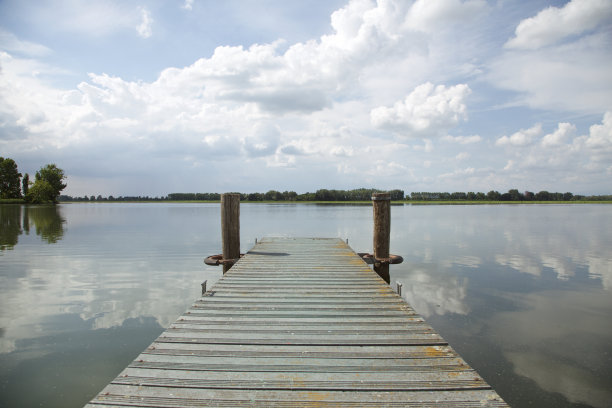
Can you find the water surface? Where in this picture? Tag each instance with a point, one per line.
(523, 293)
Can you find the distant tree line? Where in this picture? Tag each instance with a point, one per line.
(511, 195)
(361, 194)
(194, 196)
(46, 187)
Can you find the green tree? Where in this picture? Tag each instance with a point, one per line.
(9, 179)
(54, 176)
(515, 195)
(25, 184)
(397, 194)
(273, 195)
(41, 192)
(493, 195)
(323, 195)
(255, 197)
(289, 195)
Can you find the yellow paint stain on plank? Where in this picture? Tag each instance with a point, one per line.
(433, 351)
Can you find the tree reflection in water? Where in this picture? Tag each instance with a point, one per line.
(15, 220)
(10, 226)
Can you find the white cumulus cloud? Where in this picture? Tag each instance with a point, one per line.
(560, 136)
(427, 111)
(559, 59)
(554, 24)
(523, 137)
(600, 136)
(561, 155)
(427, 15)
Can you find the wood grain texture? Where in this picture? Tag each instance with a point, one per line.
(230, 227)
(381, 204)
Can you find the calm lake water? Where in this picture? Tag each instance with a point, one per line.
(522, 292)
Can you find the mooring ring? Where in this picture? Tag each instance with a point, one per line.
(370, 259)
(216, 260)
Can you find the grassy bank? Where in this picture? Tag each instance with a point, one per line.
(12, 201)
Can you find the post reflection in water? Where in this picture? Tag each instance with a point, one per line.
(522, 292)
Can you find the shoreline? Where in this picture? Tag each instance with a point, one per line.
(403, 202)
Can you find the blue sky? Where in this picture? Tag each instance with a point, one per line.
(153, 97)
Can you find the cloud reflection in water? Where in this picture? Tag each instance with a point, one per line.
(564, 349)
(429, 295)
(530, 283)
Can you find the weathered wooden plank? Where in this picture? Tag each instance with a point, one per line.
(298, 323)
(433, 341)
(288, 307)
(235, 300)
(398, 322)
(126, 395)
(297, 328)
(299, 314)
(304, 287)
(304, 352)
(301, 368)
(277, 294)
(389, 364)
(328, 331)
(296, 333)
(339, 381)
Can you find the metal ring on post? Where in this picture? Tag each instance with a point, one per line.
(392, 259)
(216, 260)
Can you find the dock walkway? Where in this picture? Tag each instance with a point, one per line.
(299, 322)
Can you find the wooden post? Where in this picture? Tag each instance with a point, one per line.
(230, 227)
(382, 232)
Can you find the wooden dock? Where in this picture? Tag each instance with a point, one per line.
(299, 323)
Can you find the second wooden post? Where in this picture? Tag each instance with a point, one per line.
(230, 227)
(381, 203)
